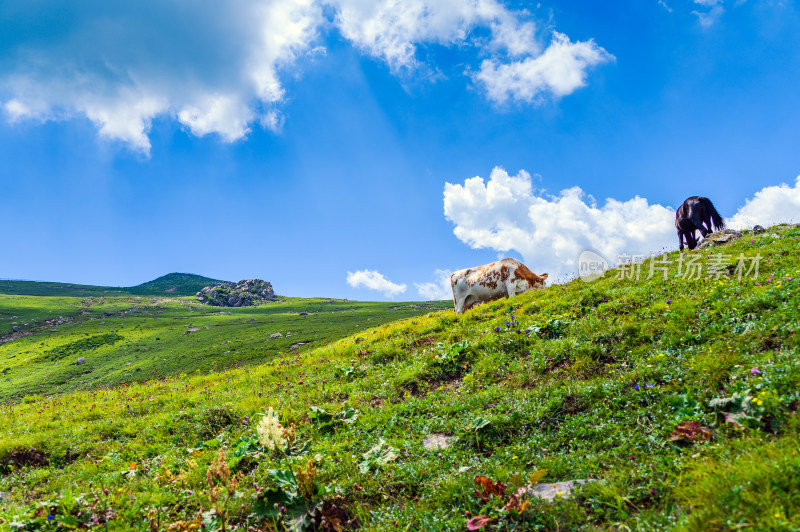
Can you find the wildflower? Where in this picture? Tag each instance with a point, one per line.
(669, 301)
(270, 432)
(636, 387)
(755, 371)
(650, 385)
(497, 329)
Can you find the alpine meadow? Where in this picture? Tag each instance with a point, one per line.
(676, 400)
(400, 266)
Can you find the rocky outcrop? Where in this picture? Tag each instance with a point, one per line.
(242, 294)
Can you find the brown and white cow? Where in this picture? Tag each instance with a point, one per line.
(504, 278)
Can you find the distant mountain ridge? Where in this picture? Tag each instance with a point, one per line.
(172, 284)
(177, 284)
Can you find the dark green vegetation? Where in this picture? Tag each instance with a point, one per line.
(596, 389)
(172, 284)
(126, 339)
(176, 284)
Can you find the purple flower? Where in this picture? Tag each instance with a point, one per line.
(669, 301)
(508, 324)
(527, 331)
(497, 329)
(518, 331)
(752, 241)
(51, 517)
(636, 387)
(512, 316)
(755, 371)
(651, 385)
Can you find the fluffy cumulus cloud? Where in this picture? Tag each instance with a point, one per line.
(550, 231)
(375, 281)
(521, 65)
(214, 68)
(558, 71)
(769, 206)
(217, 67)
(437, 289)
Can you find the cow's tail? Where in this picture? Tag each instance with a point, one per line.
(719, 223)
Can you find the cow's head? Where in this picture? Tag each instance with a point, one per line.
(539, 282)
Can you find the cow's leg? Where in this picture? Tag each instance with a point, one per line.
(680, 240)
(511, 289)
(698, 222)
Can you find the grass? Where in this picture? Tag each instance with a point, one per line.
(170, 285)
(130, 339)
(595, 390)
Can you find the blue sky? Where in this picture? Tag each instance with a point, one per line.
(298, 141)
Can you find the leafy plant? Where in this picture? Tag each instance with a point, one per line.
(379, 455)
(684, 407)
(327, 422)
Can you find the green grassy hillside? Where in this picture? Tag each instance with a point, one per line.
(41, 288)
(127, 339)
(174, 284)
(170, 285)
(677, 395)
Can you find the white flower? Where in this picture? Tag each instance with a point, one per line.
(271, 432)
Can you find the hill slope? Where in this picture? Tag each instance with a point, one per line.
(677, 395)
(131, 338)
(174, 284)
(171, 285)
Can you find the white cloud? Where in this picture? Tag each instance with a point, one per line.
(769, 206)
(550, 231)
(559, 71)
(217, 67)
(520, 66)
(373, 280)
(437, 290)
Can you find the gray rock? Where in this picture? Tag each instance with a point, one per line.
(5, 496)
(720, 237)
(242, 294)
(276, 335)
(81, 360)
(433, 442)
(555, 490)
(192, 330)
(758, 229)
